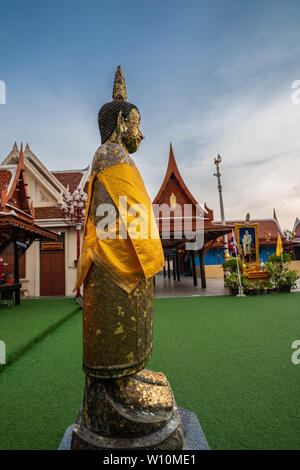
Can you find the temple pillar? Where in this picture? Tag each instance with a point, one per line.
(177, 267)
(202, 269)
(16, 269)
(194, 268)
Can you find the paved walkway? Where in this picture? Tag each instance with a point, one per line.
(184, 288)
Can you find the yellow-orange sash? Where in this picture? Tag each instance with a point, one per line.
(126, 259)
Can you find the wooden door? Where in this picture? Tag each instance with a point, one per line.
(52, 273)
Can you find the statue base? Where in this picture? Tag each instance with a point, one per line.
(134, 412)
(195, 438)
(170, 437)
(137, 412)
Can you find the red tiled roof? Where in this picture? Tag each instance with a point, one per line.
(53, 212)
(5, 177)
(297, 229)
(69, 178)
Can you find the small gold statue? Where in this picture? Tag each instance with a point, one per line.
(247, 220)
(124, 406)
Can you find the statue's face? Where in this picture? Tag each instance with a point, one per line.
(132, 135)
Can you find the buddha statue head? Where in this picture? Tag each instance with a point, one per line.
(119, 121)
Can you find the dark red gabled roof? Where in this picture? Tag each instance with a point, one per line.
(69, 179)
(172, 179)
(174, 188)
(173, 183)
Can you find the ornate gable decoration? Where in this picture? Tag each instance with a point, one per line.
(174, 191)
(14, 194)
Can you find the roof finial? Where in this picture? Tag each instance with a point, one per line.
(119, 90)
(15, 147)
(21, 157)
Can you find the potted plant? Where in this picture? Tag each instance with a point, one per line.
(267, 286)
(256, 288)
(281, 278)
(232, 283)
(231, 265)
(247, 285)
(287, 281)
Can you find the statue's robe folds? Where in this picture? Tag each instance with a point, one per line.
(118, 272)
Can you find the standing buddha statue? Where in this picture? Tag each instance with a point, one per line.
(125, 405)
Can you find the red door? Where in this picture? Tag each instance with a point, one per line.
(52, 273)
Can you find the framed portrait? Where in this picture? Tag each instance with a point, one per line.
(247, 240)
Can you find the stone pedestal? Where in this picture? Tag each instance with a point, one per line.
(194, 435)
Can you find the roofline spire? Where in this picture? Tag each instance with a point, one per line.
(173, 169)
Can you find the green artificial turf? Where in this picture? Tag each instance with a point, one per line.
(22, 325)
(227, 359)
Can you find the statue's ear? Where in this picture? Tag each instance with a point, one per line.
(120, 127)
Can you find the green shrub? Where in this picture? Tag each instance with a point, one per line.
(287, 279)
(281, 277)
(232, 281)
(247, 285)
(231, 265)
(277, 259)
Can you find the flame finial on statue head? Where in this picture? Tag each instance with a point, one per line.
(119, 90)
(108, 114)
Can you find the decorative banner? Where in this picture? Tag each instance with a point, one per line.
(52, 246)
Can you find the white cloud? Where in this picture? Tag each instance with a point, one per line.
(260, 147)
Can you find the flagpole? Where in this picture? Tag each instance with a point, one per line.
(241, 290)
(218, 175)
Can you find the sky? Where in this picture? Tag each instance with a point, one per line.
(210, 76)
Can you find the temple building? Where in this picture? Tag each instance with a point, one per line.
(268, 231)
(47, 268)
(295, 237)
(208, 261)
(176, 197)
(19, 230)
